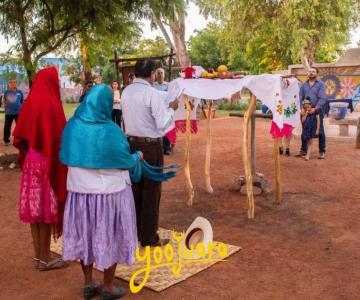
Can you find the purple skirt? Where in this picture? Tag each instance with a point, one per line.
(100, 228)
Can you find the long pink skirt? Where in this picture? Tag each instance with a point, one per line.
(38, 202)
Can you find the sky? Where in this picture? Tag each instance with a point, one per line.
(194, 21)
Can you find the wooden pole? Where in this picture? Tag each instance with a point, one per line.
(189, 184)
(253, 146)
(247, 163)
(208, 187)
(277, 173)
(358, 135)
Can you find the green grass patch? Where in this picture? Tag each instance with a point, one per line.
(69, 109)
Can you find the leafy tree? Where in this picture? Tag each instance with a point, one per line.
(274, 33)
(151, 47)
(205, 48)
(43, 26)
(171, 13)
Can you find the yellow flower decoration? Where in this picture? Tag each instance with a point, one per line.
(280, 108)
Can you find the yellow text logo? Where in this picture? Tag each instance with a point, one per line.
(165, 257)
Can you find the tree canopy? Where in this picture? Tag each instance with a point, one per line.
(43, 26)
(268, 35)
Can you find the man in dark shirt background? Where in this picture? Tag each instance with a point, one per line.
(315, 90)
(13, 99)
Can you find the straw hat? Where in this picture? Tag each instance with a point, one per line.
(200, 231)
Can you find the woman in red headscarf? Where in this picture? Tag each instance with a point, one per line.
(37, 135)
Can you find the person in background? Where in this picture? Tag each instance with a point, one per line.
(88, 85)
(315, 90)
(161, 85)
(37, 136)
(147, 117)
(13, 99)
(130, 80)
(311, 125)
(97, 79)
(116, 112)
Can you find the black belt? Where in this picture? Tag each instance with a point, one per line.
(144, 139)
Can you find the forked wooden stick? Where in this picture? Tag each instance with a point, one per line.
(247, 162)
(189, 184)
(208, 186)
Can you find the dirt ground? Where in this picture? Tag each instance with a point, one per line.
(305, 248)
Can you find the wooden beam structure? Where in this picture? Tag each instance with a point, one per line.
(189, 185)
(247, 163)
(208, 186)
(129, 68)
(278, 192)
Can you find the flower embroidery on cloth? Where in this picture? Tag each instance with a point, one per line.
(279, 107)
(290, 110)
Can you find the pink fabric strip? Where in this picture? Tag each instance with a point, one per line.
(171, 135)
(277, 133)
(181, 126)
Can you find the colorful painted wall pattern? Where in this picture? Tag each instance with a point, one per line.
(339, 86)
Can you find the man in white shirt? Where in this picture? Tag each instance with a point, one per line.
(147, 116)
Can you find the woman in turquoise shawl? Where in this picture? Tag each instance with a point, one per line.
(100, 217)
(92, 140)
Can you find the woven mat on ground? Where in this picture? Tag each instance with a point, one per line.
(161, 278)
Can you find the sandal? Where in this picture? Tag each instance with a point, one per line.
(115, 294)
(91, 291)
(56, 263)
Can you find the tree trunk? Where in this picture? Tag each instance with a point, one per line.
(29, 67)
(308, 55)
(85, 58)
(165, 33)
(177, 27)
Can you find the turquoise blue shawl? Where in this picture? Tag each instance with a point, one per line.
(92, 140)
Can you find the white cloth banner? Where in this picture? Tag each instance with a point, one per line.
(280, 95)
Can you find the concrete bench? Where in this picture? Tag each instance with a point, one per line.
(344, 125)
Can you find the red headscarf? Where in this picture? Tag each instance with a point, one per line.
(40, 125)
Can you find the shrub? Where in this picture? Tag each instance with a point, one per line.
(239, 106)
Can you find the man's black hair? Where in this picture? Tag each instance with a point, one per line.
(144, 67)
(315, 68)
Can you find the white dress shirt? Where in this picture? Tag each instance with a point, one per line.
(145, 110)
(97, 181)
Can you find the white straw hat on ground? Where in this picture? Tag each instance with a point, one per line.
(200, 231)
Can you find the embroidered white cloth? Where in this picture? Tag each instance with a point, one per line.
(275, 92)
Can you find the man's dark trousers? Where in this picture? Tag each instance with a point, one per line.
(7, 126)
(147, 193)
(322, 138)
